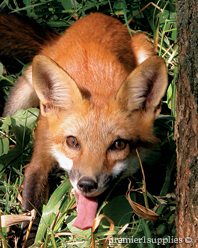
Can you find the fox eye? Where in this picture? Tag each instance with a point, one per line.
(72, 142)
(118, 144)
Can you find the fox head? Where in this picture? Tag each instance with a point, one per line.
(95, 141)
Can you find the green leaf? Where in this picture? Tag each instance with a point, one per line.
(24, 120)
(4, 146)
(21, 125)
(118, 7)
(1, 68)
(163, 16)
(51, 209)
(118, 210)
(73, 229)
(67, 5)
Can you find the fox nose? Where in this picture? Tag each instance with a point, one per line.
(87, 185)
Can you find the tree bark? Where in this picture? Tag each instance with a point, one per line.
(186, 129)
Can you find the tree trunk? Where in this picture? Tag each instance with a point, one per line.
(186, 129)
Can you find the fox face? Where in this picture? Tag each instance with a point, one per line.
(95, 141)
(93, 146)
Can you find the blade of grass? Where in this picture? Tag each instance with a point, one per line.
(147, 233)
(51, 208)
(125, 17)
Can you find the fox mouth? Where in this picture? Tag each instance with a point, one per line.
(87, 206)
(86, 211)
(87, 192)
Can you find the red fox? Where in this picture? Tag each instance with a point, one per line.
(99, 92)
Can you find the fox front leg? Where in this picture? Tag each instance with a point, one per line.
(34, 194)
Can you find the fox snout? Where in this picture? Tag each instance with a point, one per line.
(90, 186)
(87, 185)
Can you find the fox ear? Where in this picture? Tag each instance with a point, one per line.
(144, 87)
(54, 87)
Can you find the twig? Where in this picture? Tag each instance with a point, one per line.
(144, 9)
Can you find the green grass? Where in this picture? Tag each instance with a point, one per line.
(16, 140)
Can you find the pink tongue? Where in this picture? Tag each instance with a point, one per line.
(86, 208)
